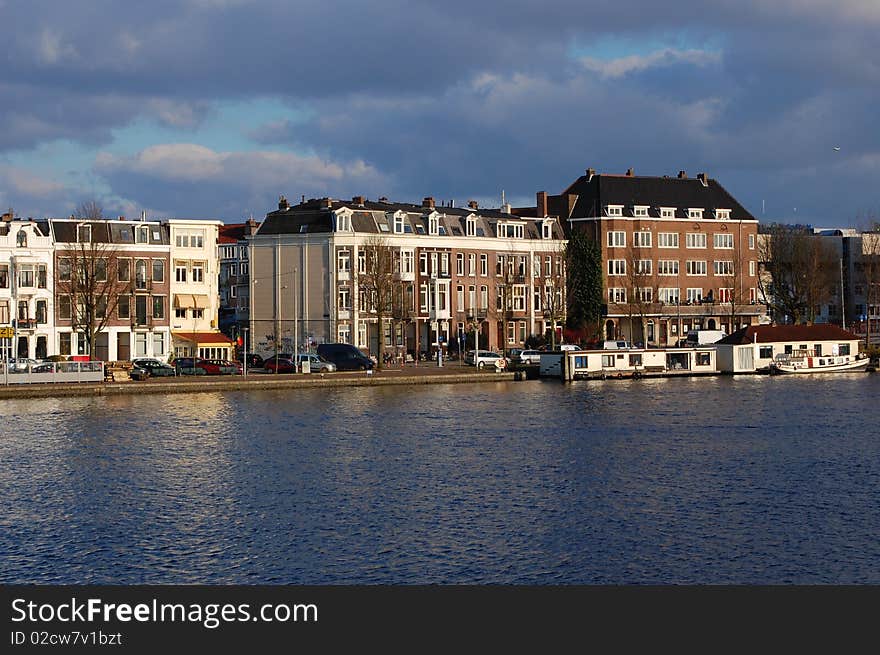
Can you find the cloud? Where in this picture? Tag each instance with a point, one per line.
(30, 194)
(188, 179)
(638, 63)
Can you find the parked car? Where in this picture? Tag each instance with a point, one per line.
(483, 358)
(279, 364)
(569, 346)
(345, 356)
(217, 367)
(188, 366)
(154, 367)
(253, 360)
(317, 364)
(238, 366)
(21, 364)
(530, 357)
(513, 354)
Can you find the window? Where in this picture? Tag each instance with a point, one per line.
(344, 298)
(42, 313)
(643, 267)
(695, 240)
(511, 332)
(537, 300)
(521, 265)
(470, 226)
(344, 333)
(765, 352)
(158, 270)
(123, 270)
(142, 234)
(123, 307)
(26, 275)
(459, 297)
(644, 294)
(617, 239)
(472, 297)
(616, 267)
(84, 233)
(667, 267)
(695, 213)
(64, 343)
(4, 274)
(398, 223)
(198, 313)
(344, 261)
(140, 274)
(159, 307)
(725, 295)
(64, 308)
(722, 240)
(667, 212)
(522, 332)
(198, 272)
(843, 349)
(101, 307)
(668, 295)
(751, 242)
(484, 297)
(180, 312)
(362, 262)
(101, 270)
(640, 211)
(667, 240)
(694, 295)
(459, 264)
(642, 239)
(511, 230)
(41, 276)
(722, 214)
(179, 271)
(616, 295)
(723, 268)
(694, 267)
(23, 310)
(423, 263)
(343, 223)
(546, 230)
(433, 223)
(158, 344)
(753, 295)
(472, 264)
(444, 263)
(21, 239)
(519, 298)
(499, 264)
(614, 210)
(4, 312)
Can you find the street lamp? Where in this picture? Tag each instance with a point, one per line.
(245, 331)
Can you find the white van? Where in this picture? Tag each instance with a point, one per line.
(569, 346)
(615, 345)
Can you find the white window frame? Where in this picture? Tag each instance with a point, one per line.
(667, 212)
(614, 210)
(723, 268)
(667, 240)
(695, 240)
(722, 241)
(694, 294)
(640, 211)
(667, 267)
(616, 295)
(616, 239)
(695, 267)
(695, 212)
(616, 267)
(642, 239)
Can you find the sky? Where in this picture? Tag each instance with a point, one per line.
(215, 108)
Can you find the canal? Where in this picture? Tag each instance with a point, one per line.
(752, 480)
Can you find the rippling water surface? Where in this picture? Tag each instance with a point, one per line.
(703, 480)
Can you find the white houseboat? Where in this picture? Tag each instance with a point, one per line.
(628, 363)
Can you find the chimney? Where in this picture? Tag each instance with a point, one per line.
(283, 205)
(541, 204)
(359, 200)
(506, 208)
(682, 175)
(590, 173)
(630, 172)
(473, 204)
(703, 179)
(327, 203)
(7, 217)
(428, 202)
(303, 201)
(251, 226)
(122, 218)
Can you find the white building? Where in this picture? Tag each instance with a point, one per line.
(26, 289)
(195, 290)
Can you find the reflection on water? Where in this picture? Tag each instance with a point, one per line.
(702, 480)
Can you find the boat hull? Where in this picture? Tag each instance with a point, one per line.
(802, 368)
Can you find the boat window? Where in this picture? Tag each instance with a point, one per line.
(843, 349)
(635, 360)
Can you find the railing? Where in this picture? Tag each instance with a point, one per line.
(51, 372)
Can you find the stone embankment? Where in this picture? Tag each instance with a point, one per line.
(258, 381)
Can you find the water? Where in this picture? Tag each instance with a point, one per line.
(701, 480)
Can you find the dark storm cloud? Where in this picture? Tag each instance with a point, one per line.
(462, 98)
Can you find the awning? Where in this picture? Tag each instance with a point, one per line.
(204, 338)
(183, 301)
(200, 301)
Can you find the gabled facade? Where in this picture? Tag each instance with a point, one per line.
(677, 253)
(26, 284)
(464, 276)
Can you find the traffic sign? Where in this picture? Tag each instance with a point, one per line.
(7, 333)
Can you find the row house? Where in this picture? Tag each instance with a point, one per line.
(113, 275)
(678, 253)
(194, 292)
(26, 302)
(234, 276)
(463, 275)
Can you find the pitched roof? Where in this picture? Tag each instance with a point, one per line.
(596, 192)
(782, 333)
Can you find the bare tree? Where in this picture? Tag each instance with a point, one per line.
(640, 289)
(731, 278)
(510, 289)
(870, 270)
(377, 286)
(91, 278)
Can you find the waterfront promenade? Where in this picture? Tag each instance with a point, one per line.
(410, 375)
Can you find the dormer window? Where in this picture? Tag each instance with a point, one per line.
(694, 212)
(21, 239)
(614, 210)
(142, 234)
(722, 214)
(399, 220)
(640, 211)
(667, 212)
(470, 226)
(547, 230)
(83, 233)
(343, 223)
(433, 224)
(510, 230)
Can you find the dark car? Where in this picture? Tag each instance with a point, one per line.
(253, 360)
(188, 366)
(154, 367)
(279, 364)
(345, 356)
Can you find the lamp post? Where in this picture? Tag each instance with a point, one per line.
(245, 332)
